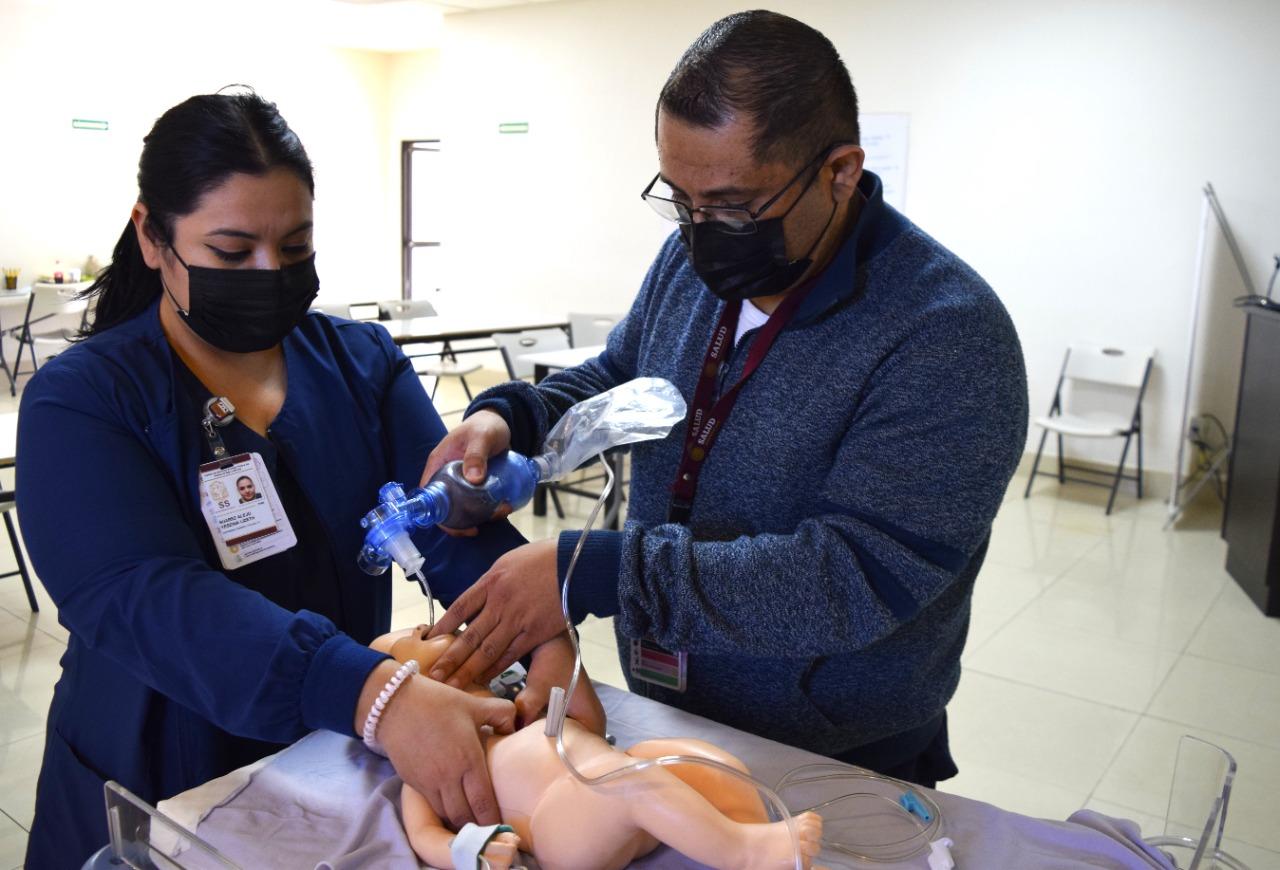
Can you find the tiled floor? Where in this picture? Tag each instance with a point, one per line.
(1096, 643)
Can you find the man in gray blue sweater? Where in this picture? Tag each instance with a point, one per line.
(799, 557)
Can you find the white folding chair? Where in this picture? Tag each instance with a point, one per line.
(56, 313)
(1125, 368)
(7, 505)
(515, 344)
(406, 309)
(351, 310)
(444, 356)
(588, 330)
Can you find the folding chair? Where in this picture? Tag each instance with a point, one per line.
(61, 313)
(1129, 369)
(515, 344)
(587, 330)
(6, 506)
(351, 310)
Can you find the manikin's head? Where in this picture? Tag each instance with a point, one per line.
(413, 643)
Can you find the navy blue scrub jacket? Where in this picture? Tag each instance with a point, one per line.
(174, 672)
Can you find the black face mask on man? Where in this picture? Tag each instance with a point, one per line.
(737, 266)
(247, 310)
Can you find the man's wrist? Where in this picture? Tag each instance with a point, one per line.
(506, 401)
(593, 588)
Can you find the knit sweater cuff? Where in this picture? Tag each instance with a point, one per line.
(508, 406)
(593, 588)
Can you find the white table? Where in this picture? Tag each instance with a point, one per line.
(471, 324)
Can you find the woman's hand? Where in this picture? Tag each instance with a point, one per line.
(431, 733)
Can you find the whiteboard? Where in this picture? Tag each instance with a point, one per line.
(884, 138)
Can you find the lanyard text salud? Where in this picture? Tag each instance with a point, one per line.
(708, 413)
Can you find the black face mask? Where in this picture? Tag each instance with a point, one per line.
(736, 266)
(247, 310)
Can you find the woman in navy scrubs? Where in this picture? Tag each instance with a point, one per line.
(195, 649)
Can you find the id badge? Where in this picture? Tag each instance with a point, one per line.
(652, 663)
(243, 511)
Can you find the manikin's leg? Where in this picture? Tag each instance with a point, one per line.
(578, 827)
(431, 839)
(734, 797)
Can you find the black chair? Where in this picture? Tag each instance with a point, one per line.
(7, 505)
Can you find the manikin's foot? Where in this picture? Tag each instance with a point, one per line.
(775, 849)
(501, 851)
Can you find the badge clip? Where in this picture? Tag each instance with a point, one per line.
(218, 412)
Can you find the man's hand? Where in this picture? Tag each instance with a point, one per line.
(552, 665)
(510, 610)
(474, 440)
(431, 734)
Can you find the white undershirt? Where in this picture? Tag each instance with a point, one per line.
(750, 318)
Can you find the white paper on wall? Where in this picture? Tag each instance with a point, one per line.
(884, 138)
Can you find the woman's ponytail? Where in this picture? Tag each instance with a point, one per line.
(124, 288)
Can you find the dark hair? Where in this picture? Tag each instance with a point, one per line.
(191, 149)
(783, 75)
(244, 477)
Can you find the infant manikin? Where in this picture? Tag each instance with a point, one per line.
(701, 812)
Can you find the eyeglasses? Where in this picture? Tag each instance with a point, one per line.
(737, 220)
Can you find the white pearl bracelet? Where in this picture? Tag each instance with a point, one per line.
(404, 672)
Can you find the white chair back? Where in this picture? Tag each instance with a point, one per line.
(351, 310)
(57, 299)
(587, 330)
(513, 344)
(406, 309)
(1121, 366)
(56, 316)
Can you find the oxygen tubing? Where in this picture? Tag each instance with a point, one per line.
(557, 710)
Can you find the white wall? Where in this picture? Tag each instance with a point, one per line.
(1059, 147)
(67, 193)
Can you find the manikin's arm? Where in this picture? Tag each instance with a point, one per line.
(432, 841)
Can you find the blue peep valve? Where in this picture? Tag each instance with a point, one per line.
(448, 500)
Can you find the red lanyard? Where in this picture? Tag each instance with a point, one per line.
(707, 414)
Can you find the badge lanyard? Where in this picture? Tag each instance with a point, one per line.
(650, 662)
(218, 412)
(707, 414)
